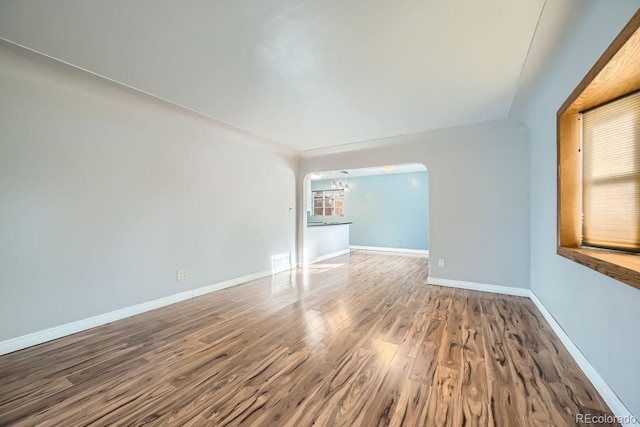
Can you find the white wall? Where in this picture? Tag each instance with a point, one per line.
(601, 315)
(479, 196)
(105, 192)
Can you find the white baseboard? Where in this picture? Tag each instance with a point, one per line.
(482, 287)
(400, 250)
(613, 401)
(56, 332)
(328, 256)
(615, 404)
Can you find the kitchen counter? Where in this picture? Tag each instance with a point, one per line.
(321, 224)
(324, 240)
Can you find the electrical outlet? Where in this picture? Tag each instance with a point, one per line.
(181, 274)
(441, 263)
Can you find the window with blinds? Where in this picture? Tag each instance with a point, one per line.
(611, 175)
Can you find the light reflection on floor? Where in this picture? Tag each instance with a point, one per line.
(321, 268)
(318, 324)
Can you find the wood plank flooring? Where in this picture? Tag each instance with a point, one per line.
(358, 340)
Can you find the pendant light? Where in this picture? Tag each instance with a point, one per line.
(343, 185)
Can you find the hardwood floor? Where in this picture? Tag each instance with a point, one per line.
(357, 340)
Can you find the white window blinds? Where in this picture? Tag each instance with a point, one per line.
(611, 175)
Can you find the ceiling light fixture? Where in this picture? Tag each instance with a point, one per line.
(334, 184)
(316, 175)
(344, 186)
(388, 168)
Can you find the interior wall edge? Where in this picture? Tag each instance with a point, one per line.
(481, 287)
(18, 343)
(59, 66)
(384, 249)
(613, 401)
(616, 405)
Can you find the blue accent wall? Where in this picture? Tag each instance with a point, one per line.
(390, 211)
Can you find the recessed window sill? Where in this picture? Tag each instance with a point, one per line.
(621, 266)
(613, 76)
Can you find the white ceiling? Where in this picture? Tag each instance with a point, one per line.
(308, 74)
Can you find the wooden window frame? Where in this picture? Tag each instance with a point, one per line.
(615, 74)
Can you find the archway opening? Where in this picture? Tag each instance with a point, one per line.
(382, 208)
